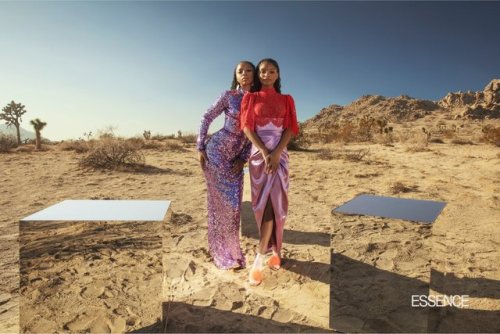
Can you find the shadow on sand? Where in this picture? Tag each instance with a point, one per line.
(185, 318)
(364, 298)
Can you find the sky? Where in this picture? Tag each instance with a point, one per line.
(85, 66)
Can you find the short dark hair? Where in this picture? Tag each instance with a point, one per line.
(234, 84)
(277, 83)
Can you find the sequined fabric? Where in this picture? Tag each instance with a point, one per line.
(224, 188)
(269, 113)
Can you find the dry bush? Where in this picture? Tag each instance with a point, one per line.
(384, 138)
(7, 143)
(140, 143)
(350, 155)
(417, 147)
(325, 137)
(27, 149)
(162, 137)
(299, 143)
(361, 130)
(325, 154)
(136, 142)
(460, 141)
(491, 135)
(347, 132)
(364, 131)
(152, 145)
(417, 141)
(173, 145)
(405, 135)
(356, 155)
(448, 133)
(190, 138)
(79, 146)
(113, 153)
(436, 141)
(399, 187)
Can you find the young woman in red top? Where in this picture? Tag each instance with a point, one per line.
(269, 120)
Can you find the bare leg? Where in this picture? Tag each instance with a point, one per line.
(266, 233)
(267, 227)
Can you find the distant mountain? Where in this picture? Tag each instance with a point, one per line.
(470, 105)
(475, 105)
(25, 134)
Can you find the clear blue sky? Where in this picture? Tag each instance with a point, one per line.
(82, 66)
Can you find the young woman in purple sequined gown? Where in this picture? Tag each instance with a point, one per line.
(222, 158)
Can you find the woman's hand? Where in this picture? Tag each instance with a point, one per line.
(238, 166)
(203, 159)
(273, 162)
(265, 156)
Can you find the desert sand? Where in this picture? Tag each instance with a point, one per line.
(340, 273)
(327, 280)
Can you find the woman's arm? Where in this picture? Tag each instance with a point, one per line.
(275, 155)
(215, 110)
(256, 141)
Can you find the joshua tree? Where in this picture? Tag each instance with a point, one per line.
(38, 125)
(12, 116)
(427, 135)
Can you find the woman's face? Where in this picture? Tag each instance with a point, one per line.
(244, 74)
(268, 74)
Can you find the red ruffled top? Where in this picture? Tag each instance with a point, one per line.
(268, 106)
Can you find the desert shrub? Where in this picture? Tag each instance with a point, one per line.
(140, 143)
(491, 135)
(299, 143)
(152, 145)
(7, 143)
(162, 137)
(325, 154)
(448, 133)
(460, 141)
(386, 136)
(350, 155)
(436, 141)
(173, 145)
(356, 155)
(347, 132)
(79, 146)
(26, 149)
(428, 135)
(399, 187)
(113, 153)
(136, 142)
(188, 138)
(364, 132)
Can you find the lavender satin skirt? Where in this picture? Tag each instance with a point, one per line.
(270, 186)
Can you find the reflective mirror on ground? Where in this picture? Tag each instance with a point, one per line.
(423, 211)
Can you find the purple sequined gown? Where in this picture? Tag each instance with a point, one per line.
(224, 188)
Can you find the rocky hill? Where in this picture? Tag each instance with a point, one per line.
(469, 105)
(475, 105)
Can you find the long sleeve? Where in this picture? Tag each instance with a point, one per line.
(245, 152)
(215, 110)
(291, 116)
(247, 114)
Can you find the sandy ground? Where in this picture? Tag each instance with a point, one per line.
(349, 273)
